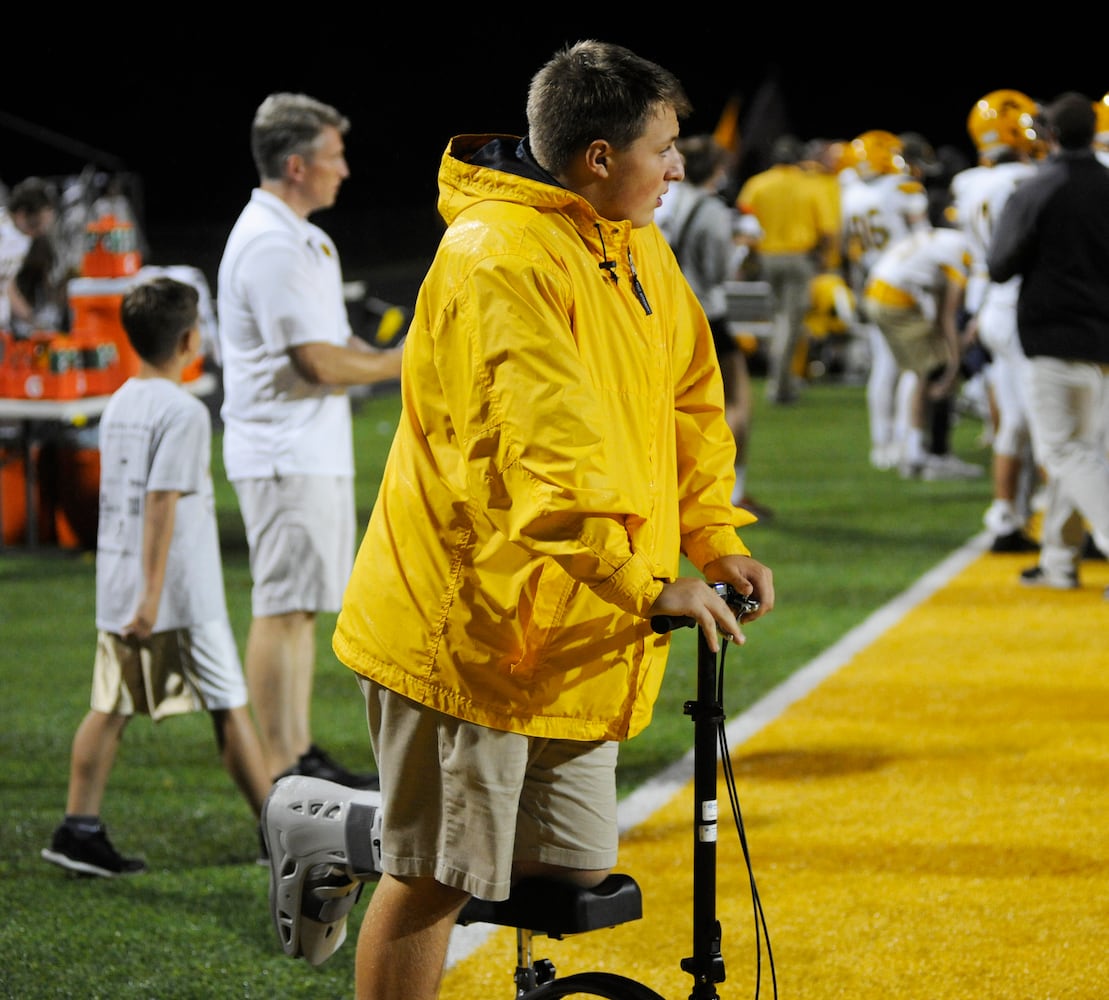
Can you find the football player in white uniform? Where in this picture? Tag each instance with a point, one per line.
(1002, 125)
(880, 202)
(915, 295)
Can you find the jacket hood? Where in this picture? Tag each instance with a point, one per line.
(500, 168)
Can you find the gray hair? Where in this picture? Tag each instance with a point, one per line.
(287, 124)
(596, 90)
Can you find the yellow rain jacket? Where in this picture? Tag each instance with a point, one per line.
(561, 442)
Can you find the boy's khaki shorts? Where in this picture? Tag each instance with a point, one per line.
(171, 673)
(462, 802)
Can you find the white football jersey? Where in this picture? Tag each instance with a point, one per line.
(978, 196)
(920, 263)
(876, 213)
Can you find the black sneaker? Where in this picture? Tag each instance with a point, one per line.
(1090, 551)
(1015, 541)
(1037, 576)
(317, 763)
(90, 855)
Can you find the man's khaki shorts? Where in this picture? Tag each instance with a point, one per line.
(462, 802)
(301, 534)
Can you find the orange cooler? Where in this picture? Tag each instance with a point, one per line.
(94, 305)
(27, 367)
(111, 249)
(67, 368)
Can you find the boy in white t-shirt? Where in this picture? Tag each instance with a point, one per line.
(164, 639)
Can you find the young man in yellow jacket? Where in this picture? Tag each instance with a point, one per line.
(562, 444)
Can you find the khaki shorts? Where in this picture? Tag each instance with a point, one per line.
(300, 531)
(917, 344)
(462, 802)
(171, 673)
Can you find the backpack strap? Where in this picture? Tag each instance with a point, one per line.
(683, 233)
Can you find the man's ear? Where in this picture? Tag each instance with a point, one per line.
(294, 166)
(598, 157)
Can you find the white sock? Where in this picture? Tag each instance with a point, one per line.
(914, 445)
(1001, 517)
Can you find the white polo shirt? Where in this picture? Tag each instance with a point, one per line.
(280, 284)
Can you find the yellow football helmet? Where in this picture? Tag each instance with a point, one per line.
(878, 152)
(1004, 120)
(842, 156)
(1101, 129)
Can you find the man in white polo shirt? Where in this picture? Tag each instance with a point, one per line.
(289, 356)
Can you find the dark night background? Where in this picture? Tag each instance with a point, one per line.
(168, 98)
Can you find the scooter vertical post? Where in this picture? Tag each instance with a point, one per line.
(706, 965)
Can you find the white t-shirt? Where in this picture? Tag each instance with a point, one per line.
(280, 284)
(155, 435)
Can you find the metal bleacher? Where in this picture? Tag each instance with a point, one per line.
(750, 307)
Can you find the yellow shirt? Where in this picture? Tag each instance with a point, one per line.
(827, 184)
(793, 209)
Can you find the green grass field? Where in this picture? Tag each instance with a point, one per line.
(844, 540)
